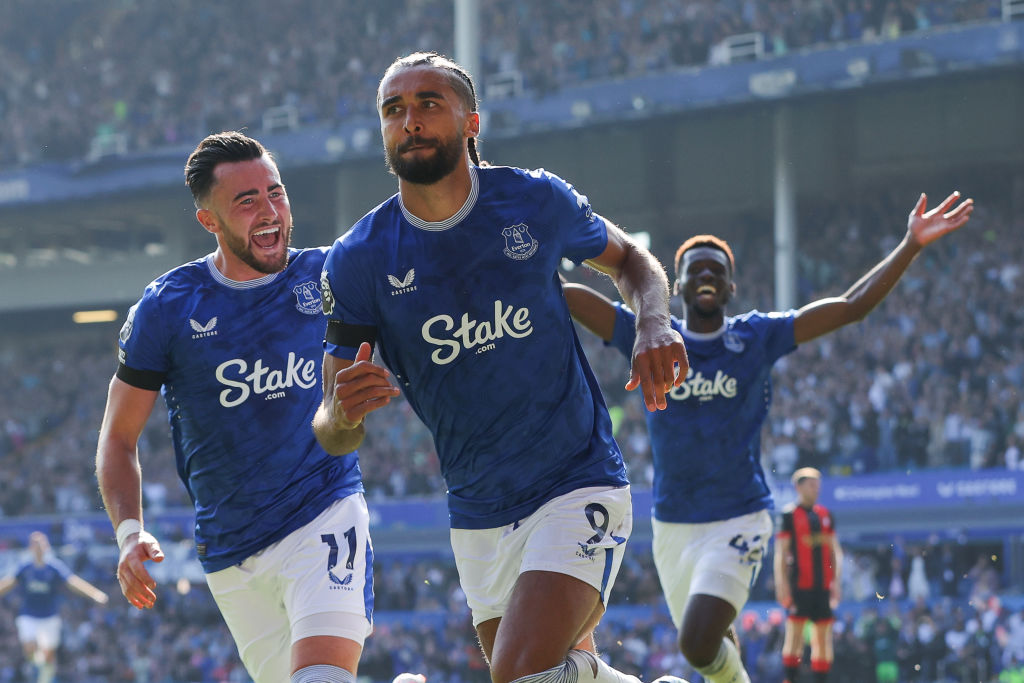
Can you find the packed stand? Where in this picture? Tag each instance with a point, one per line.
(94, 78)
(958, 631)
(931, 379)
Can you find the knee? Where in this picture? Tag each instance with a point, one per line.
(699, 645)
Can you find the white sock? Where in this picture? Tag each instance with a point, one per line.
(322, 673)
(579, 666)
(47, 670)
(727, 667)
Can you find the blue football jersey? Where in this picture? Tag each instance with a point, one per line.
(469, 316)
(707, 444)
(239, 364)
(41, 587)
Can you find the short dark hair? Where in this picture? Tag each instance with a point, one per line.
(458, 77)
(705, 241)
(214, 150)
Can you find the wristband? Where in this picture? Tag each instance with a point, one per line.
(126, 528)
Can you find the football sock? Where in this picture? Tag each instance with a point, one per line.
(791, 663)
(727, 667)
(579, 666)
(47, 670)
(322, 673)
(820, 667)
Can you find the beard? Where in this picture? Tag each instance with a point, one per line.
(426, 171)
(243, 250)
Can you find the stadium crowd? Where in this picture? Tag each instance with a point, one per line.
(952, 631)
(930, 380)
(70, 82)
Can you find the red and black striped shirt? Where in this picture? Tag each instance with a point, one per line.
(812, 530)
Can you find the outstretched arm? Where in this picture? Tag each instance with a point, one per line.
(352, 389)
(659, 357)
(86, 589)
(6, 584)
(591, 309)
(825, 315)
(120, 478)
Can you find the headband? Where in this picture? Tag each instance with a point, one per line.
(703, 254)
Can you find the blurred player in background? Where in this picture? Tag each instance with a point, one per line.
(39, 582)
(808, 563)
(455, 278)
(233, 341)
(711, 525)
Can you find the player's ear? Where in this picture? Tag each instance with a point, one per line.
(208, 220)
(472, 127)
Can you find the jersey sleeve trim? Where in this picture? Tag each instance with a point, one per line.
(150, 380)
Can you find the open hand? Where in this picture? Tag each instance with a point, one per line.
(136, 583)
(659, 363)
(925, 228)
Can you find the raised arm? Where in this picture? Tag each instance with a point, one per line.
(352, 389)
(120, 479)
(659, 357)
(826, 315)
(591, 309)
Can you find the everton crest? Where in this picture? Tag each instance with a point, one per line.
(308, 298)
(519, 244)
(734, 342)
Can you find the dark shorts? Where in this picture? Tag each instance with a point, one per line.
(811, 605)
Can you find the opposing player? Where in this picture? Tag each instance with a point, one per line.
(39, 582)
(808, 564)
(455, 279)
(711, 525)
(232, 341)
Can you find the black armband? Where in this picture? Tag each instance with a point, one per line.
(346, 334)
(151, 380)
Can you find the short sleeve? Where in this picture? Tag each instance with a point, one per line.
(142, 345)
(62, 569)
(624, 332)
(348, 302)
(584, 232)
(785, 526)
(776, 330)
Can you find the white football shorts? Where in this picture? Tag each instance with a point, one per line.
(582, 533)
(43, 631)
(714, 558)
(316, 581)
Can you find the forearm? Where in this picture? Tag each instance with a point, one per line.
(85, 589)
(780, 563)
(335, 438)
(837, 563)
(644, 286)
(875, 285)
(120, 480)
(779, 570)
